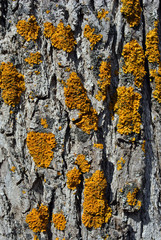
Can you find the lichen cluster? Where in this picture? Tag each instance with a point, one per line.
(28, 29)
(44, 123)
(34, 58)
(98, 145)
(12, 83)
(157, 77)
(120, 163)
(152, 42)
(73, 178)
(59, 221)
(61, 37)
(134, 61)
(76, 98)
(82, 163)
(131, 9)
(131, 199)
(102, 14)
(95, 208)
(37, 219)
(104, 81)
(40, 146)
(127, 106)
(91, 36)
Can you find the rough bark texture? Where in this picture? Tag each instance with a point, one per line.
(28, 186)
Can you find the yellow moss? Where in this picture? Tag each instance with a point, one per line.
(34, 58)
(61, 37)
(127, 106)
(152, 42)
(37, 219)
(143, 146)
(93, 38)
(12, 84)
(73, 178)
(44, 123)
(134, 61)
(98, 145)
(120, 163)
(29, 30)
(76, 98)
(95, 208)
(40, 146)
(131, 199)
(104, 81)
(157, 78)
(59, 221)
(82, 163)
(132, 11)
(13, 168)
(102, 14)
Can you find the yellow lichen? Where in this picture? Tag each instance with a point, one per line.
(13, 168)
(143, 146)
(157, 78)
(47, 11)
(12, 84)
(102, 14)
(120, 163)
(60, 128)
(40, 146)
(37, 72)
(67, 69)
(61, 37)
(34, 58)
(95, 208)
(134, 61)
(131, 199)
(44, 123)
(132, 11)
(37, 219)
(93, 38)
(73, 178)
(59, 221)
(152, 45)
(76, 98)
(127, 106)
(82, 163)
(98, 145)
(36, 237)
(29, 30)
(104, 81)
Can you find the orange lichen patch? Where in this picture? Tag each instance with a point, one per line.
(60, 128)
(37, 219)
(131, 199)
(44, 123)
(37, 72)
(11, 112)
(23, 191)
(93, 38)
(29, 30)
(36, 237)
(104, 81)
(47, 11)
(12, 84)
(67, 69)
(98, 145)
(143, 146)
(102, 14)
(127, 106)
(82, 163)
(95, 208)
(13, 168)
(134, 61)
(59, 221)
(132, 11)
(61, 37)
(157, 77)
(34, 58)
(73, 178)
(120, 163)
(152, 45)
(40, 146)
(76, 98)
